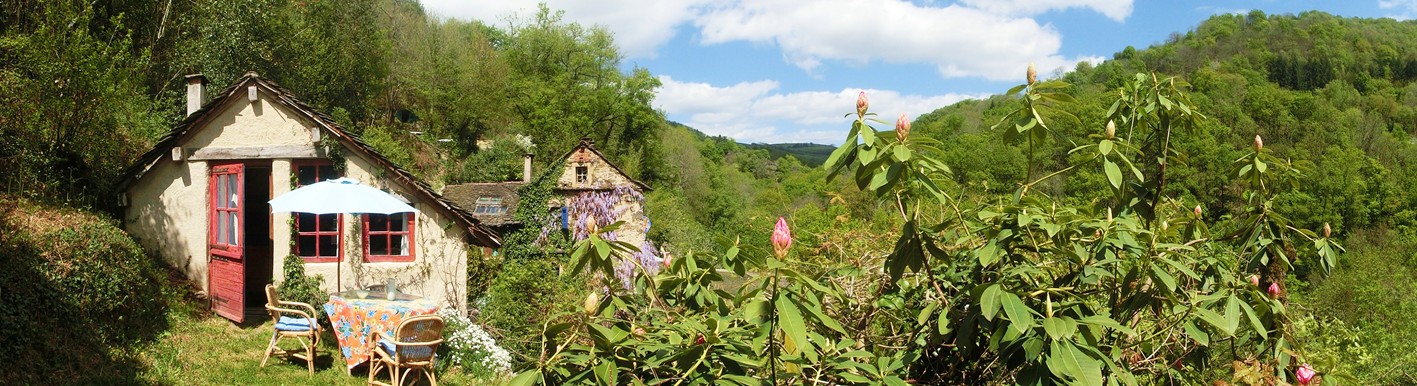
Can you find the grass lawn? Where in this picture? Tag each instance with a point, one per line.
(204, 349)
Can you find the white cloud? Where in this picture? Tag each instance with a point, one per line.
(1117, 10)
(1406, 8)
(640, 26)
(989, 39)
(960, 41)
(754, 111)
(1217, 10)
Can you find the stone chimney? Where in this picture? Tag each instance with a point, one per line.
(196, 92)
(526, 167)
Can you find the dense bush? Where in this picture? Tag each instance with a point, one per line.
(75, 293)
(524, 296)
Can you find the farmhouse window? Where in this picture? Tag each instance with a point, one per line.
(582, 174)
(317, 237)
(489, 205)
(388, 237)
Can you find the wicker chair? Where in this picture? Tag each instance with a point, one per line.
(292, 322)
(411, 348)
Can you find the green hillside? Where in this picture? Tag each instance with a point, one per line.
(811, 154)
(1333, 97)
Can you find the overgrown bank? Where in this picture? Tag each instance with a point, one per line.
(77, 296)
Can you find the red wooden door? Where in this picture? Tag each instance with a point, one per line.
(226, 264)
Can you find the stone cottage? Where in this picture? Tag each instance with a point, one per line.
(588, 187)
(199, 200)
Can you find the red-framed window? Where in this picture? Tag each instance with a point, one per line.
(224, 237)
(388, 237)
(318, 238)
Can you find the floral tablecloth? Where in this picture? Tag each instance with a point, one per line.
(355, 319)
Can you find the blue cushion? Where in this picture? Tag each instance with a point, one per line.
(414, 352)
(287, 323)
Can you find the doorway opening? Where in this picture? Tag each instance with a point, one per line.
(260, 262)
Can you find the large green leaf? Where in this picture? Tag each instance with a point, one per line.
(789, 318)
(1114, 174)
(1254, 319)
(1020, 316)
(989, 253)
(1232, 315)
(1069, 363)
(1181, 267)
(1196, 333)
(1165, 278)
(1214, 319)
(1060, 327)
(822, 317)
(989, 300)
(1104, 321)
(901, 153)
(526, 378)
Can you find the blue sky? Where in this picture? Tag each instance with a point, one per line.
(776, 71)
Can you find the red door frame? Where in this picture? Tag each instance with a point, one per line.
(226, 264)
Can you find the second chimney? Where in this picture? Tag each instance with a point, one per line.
(526, 167)
(196, 92)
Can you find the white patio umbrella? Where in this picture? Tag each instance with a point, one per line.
(341, 195)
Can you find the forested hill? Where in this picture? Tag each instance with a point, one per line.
(1335, 96)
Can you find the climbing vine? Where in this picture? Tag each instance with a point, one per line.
(603, 208)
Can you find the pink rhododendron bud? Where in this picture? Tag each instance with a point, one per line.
(1274, 290)
(1032, 74)
(1165, 225)
(667, 260)
(1259, 143)
(902, 127)
(1305, 374)
(1327, 231)
(781, 238)
(1198, 210)
(861, 104)
(1255, 280)
(590, 226)
(1111, 130)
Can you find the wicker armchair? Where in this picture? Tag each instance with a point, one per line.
(411, 348)
(292, 320)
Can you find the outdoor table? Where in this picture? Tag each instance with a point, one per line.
(356, 317)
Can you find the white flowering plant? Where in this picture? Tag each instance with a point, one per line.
(470, 347)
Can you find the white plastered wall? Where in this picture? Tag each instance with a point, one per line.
(439, 268)
(167, 210)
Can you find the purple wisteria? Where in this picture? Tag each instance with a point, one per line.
(601, 208)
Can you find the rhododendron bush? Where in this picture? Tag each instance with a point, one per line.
(1133, 287)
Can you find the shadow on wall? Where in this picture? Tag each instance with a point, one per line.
(78, 293)
(166, 237)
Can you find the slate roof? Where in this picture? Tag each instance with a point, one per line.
(466, 196)
(478, 233)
